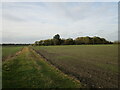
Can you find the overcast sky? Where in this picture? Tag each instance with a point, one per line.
(28, 22)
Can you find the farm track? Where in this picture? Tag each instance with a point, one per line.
(28, 69)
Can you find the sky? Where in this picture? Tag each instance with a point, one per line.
(27, 22)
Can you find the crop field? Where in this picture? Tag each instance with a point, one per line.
(30, 70)
(93, 65)
(8, 51)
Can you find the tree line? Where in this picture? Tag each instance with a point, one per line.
(12, 44)
(78, 41)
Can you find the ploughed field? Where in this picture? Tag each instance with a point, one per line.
(22, 67)
(93, 65)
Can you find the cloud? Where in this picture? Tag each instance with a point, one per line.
(28, 22)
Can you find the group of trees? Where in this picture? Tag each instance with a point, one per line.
(117, 42)
(78, 41)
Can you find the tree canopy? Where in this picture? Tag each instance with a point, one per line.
(78, 41)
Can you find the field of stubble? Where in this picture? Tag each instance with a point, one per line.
(93, 65)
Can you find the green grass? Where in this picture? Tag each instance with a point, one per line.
(0, 67)
(10, 50)
(95, 65)
(29, 70)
